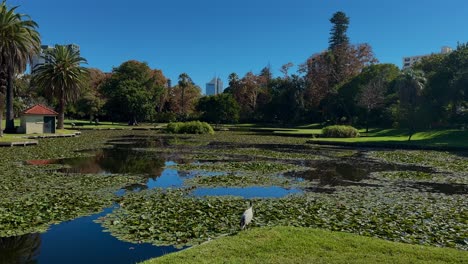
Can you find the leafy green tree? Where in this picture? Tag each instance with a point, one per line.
(63, 78)
(19, 41)
(326, 72)
(338, 33)
(131, 92)
(183, 97)
(91, 101)
(287, 104)
(89, 105)
(218, 109)
(445, 94)
(411, 85)
(457, 64)
(356, 97)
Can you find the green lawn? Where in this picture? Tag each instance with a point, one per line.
(17, 122)
(22, 137)
(12, 138)
(434, 138)
(105, 125)
(306, 245)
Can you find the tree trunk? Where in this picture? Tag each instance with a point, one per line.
(10, 115)
(183, 101)
(412, 126)
(61, 116)
(367, 122)
(1, 122)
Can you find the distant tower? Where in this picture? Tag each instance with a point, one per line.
(219, 86)
(214, 87)
(168, 83)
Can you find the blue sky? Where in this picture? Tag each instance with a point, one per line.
(208, 37)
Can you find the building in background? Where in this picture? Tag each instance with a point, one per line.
(44, 58)
(408, 62)
(214, 87)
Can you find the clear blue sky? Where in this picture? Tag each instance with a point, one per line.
(208, 37)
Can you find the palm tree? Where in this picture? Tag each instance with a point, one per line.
(410, 84)
(2, 99)
(184, 82)
(62, 78)
(19, 41)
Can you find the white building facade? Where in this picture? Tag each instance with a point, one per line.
(408, 62)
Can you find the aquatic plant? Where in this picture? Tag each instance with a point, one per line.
(340, 132)
(166, 217)
(192, 127)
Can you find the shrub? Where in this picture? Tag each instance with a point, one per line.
(192, 127)
(340, 132)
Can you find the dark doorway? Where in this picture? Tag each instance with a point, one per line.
(49, 124)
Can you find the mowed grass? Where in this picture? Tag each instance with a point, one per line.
(437, 138)
(12, 138)
(306, 245)
(106, 125)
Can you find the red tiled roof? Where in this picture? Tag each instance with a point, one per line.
(39, 110)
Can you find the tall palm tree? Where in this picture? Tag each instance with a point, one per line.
(410, 84)
(19, 41)
(62, 78)
(184, 82)
(3, 88)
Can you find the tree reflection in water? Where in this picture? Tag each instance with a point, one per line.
(117, 160)
(20, 249)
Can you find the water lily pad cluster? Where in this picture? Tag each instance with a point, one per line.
(151, 216)
(423, 176)
(443, 161)
(242, 180)
(33, 197)
(268, 153)
(30, 203)
(249, 166)
(174, 217)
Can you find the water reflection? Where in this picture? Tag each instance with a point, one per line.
(332, 174)
(445, 188)
(20, 249)
(115, 160)
(352, 172)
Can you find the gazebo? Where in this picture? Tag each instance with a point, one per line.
(38, 119)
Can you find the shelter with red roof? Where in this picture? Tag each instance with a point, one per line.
(38, 119)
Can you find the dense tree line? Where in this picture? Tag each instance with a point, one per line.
(343, 84)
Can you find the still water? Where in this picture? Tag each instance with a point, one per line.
(82, 240)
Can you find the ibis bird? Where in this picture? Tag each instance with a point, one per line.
(247, 216)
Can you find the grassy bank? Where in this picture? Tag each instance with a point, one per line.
(439, 138)
(24, 137)
(304, 245)
(434, 138)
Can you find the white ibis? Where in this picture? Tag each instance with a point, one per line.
(247, 217)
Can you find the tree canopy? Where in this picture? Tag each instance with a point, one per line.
(19, 41)
(63, 78)
(133, 92)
